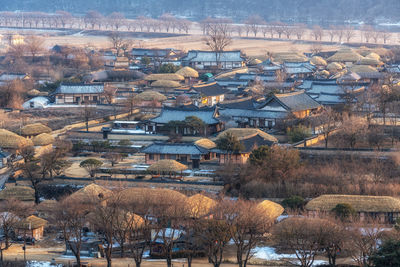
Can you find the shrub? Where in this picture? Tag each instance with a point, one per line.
(344, 211)
(298, 133)
(294, 203)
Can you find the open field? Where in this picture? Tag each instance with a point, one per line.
(249, 45)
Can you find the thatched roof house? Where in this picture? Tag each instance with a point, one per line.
(43, 139)
(35, 129)
(345, 55)
(90, 193)
(200, 205)
(369, 61)
(383, 208)
(10, 140)
(167, 166)
(150, 95)
(165, 84)
(245, 133)
(318, 61)
(188, 72)
(165, 77)
(273, 210)
(205, 143)
(22, 193)
(32, 226)
(334, 67)
(374, 56)
(289, 57)
(254, 62)
(150, 194)
(363, 69)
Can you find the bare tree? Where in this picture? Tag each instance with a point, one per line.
(254, 23)
(332, 32)
(303, 236)
(71, 216)
(219, 37)
(34, 45)
(363, 241)
(317, 32)
(385, 35)
(349, 33)
(117, 20)
(279, 28)
(88, 113)
(325, 123)
(367, 31)
(247, 225)
(299, 30)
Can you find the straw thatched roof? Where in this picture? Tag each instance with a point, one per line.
(43, 139)
(362, 69)
(381, 51)
(231, 73)
(359, 203)
(22, 193)
(369, 61)
(289, 57)
(245, 133)
(334, 67)
(324, 73)
(319, 61)
(164, 76)
(345, 55)
(150, 95)
(188, 72)
(34, 129)
(254, 61)
(165, 84)
(374, 56)
(12, 141)
(32, 222)
(167, 166)
(200, 205)
(149, 194)
(206, 143)
(33, 92)
(273, 210)
(91, 192)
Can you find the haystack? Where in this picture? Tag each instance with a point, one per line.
(206, 143)
(363, 69)
(34, 129)
(22, 193)
(90, 193)
(188, 72)
(10, 140)
(273, 210)
(345, 55)
(318, 61)
(200, 205)
(150, 95)
(165, 84)
(254, 62)
(43, 139)
(164, 76)
(167, 166)
(245, 133)
(359, 203)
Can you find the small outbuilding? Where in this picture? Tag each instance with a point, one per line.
(32, 227)
(384, 209)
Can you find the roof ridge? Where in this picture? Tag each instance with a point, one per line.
(290, 94)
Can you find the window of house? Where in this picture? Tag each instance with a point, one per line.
(151, 156)
(162, 156)
(86, 97)
(60, 97)
(95, 98)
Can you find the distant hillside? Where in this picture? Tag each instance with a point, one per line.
(309, 11)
